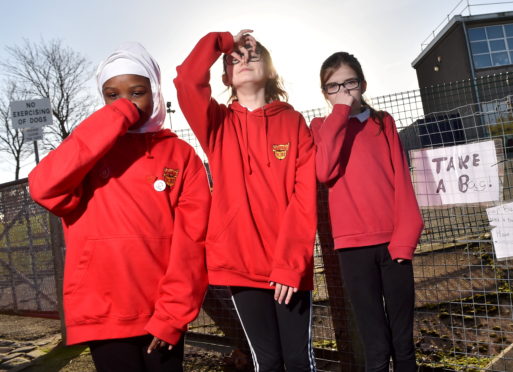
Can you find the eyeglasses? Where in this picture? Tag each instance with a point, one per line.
(333, 88)
(253, 57)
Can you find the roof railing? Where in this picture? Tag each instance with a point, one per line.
(464, 6)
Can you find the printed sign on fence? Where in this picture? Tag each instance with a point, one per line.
(457, 174)
(501, 220)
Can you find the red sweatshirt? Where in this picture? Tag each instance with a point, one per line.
(371, 197)
(263, 216)
(135, 261)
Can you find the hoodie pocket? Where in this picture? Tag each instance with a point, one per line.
(116, 277)
(223, 239)
(239, 248)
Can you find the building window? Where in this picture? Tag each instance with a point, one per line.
(498, 111)
(491, 45)
(498, 116)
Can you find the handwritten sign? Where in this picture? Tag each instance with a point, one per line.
(457, 174)
(501, 220)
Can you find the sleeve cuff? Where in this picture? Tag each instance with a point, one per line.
(285, 276)
(341, 109)
(127, 109)
(398, 251)
(225, 42)
(163, 329)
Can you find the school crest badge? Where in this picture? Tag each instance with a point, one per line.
(170, 175)
(281, 151)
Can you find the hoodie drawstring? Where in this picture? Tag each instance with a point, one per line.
(266, 127)
(250, 169)
(242, 134)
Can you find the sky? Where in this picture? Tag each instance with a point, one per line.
(385, 36)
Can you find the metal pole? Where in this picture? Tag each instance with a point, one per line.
(57, 242)
(36, 152)
(169, 111)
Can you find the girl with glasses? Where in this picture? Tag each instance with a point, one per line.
(375, 219)
(263, 216)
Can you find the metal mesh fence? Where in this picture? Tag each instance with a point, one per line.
(464, 302)
(27, 274)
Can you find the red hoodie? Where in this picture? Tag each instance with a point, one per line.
(371, 197)
(263, 216)
(135, 261)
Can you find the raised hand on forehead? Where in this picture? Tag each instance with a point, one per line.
(243, 43)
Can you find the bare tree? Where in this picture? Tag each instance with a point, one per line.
(12, 141)
(50, 69)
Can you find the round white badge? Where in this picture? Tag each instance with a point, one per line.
(159, 185)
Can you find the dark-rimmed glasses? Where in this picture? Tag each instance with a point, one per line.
(333, 88)
(253, 57)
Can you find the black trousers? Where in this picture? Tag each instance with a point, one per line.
(382, 295)
(129, 355)
(278, 335)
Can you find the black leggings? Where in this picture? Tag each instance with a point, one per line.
(278, 335)
(382, 295)
(129, 355)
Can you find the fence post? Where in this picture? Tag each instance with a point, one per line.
(6, 203)
(33, 258)
(349, 346)
(57, 242)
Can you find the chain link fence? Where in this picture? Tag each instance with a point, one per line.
(464, 301)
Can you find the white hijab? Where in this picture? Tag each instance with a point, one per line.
(132, 58)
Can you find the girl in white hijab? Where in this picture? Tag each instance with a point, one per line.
(131, 58)
(134, 202)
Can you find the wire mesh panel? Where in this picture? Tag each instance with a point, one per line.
(463, 309)
(27, 276)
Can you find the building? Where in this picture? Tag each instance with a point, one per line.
(466, 73)
(467, 47)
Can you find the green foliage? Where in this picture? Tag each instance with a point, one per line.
(325, 344)
(452, 361)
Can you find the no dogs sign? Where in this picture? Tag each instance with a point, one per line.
(31, 113)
